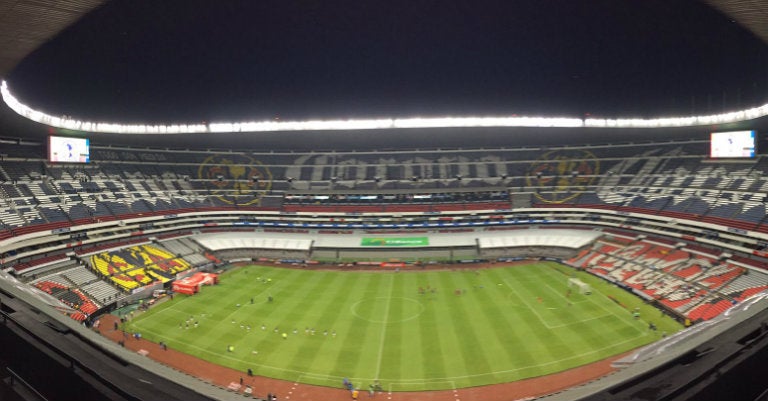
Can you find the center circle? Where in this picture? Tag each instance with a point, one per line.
(375, 309)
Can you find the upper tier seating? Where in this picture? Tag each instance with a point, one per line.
(675, 178)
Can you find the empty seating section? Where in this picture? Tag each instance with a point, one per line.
(72, 297)
(139, 265)
(716, 193)
(671, 178)
(43, 263)
(127, 181)
(73, 275)
(178, 247)
(187, 250)
(692, 283)
(101, 291)
(79, 276)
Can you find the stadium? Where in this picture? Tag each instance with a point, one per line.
(454, 257)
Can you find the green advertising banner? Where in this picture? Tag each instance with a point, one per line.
(406, 241)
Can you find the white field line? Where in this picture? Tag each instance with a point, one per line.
(393, 385)
(557, 326)
(622, 316)
(541, 319)
(563, 296)
(384, 327)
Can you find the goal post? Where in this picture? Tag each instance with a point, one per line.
(583, 287)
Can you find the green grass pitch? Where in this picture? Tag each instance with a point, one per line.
(507, 323)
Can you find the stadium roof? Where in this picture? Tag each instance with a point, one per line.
(751, 14)
(27, 24)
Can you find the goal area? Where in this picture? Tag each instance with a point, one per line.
(583, 287)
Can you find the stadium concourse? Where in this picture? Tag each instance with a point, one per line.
(660, 219)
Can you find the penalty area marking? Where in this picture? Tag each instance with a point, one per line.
(544, 321)
(623, 316)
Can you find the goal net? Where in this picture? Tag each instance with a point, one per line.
(581, 286)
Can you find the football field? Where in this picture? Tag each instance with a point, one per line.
(411, 330)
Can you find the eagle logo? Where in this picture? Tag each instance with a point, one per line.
(236, 179)
(559, 176)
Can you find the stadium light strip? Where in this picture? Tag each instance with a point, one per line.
(373, 124)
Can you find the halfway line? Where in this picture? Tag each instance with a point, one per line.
(384, 327)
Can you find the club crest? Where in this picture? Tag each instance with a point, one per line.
(559, 176)
(235, 179)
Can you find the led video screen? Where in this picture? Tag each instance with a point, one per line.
(68, 150)
(732, 144)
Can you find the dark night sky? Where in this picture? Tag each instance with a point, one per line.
(193, 60)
